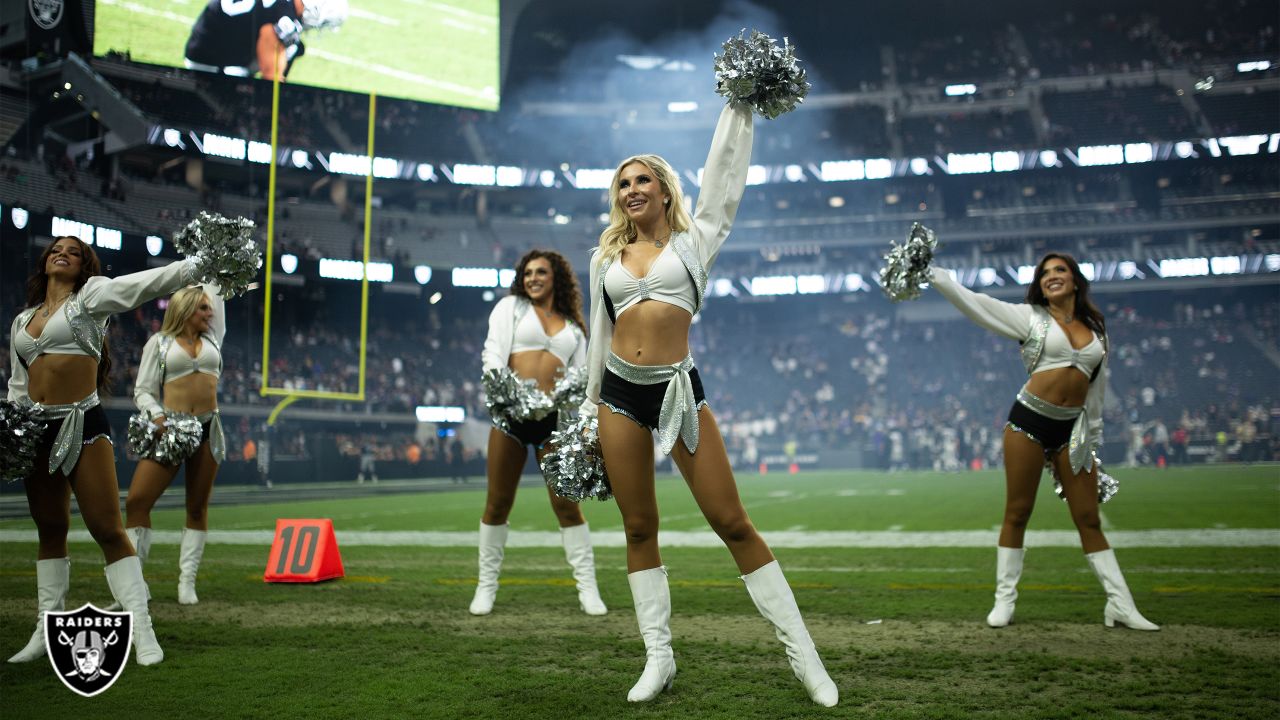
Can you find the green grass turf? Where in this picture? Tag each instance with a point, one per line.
(443, 51)
(1206, 497)
(393, 638)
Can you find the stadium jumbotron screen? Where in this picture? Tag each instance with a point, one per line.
(440, 51)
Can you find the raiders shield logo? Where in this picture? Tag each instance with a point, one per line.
(46, 13)
(88, 647)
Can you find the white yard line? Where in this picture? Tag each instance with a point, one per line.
(404, 75)
(708, 539)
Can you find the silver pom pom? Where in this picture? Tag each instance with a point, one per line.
(1108, 486)
(168, 445)
(907, 265)
(142, 434)
(19, 440)
(570, 389)
(573, 465)
(223, 249)
(755, 71)
(511, 398)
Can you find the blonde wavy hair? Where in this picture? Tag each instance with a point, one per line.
(182, 306)
(621, 229)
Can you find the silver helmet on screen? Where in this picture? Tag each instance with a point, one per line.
(318, 14)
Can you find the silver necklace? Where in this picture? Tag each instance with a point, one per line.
(50, 308)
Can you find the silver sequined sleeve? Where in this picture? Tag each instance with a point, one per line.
(17, 372)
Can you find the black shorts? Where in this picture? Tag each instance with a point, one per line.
(95, 426)
(642, 403)
(1052, 435)
(533, 432)
(204, 430)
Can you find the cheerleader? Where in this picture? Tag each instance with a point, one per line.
(1056, 420)
(535, 333)
(59, 361)
(181, 364)
(648, 282)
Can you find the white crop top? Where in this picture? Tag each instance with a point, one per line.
(165, 360)
(514, 327)
(667, 281)
(1058, 352)
(79, 326)
(531, 336)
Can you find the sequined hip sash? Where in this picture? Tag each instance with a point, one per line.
(217, 438)
(1077, 448)
(678, 418)
(65, 452)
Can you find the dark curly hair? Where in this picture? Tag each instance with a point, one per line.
(1084, 309)
(38, 286)
(567, 299)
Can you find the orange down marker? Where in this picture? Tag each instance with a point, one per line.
(304, 551)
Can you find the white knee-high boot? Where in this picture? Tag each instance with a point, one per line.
(652, 598)
(140, 537)
(1120, 607)
(188, 563)
(1008, 572)
(53, 580)
(124, 577)
(772, 595)
(577, 550)
(493, 541)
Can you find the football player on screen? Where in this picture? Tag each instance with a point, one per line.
(247, 37)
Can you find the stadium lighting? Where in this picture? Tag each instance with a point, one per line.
(960, 90)
(988, 276)
(561, 219)
(436, 297)
(1226, 265)
(793, 173)
(354, 270)
(853, 282)
(840, 170)
(1139, 153)
(1090, 155)
(259, 152)
(65, 226)
(641, 62)
(506, 276)
(1253, 66)
(1184, 267)
(508, 176)
(422, 274)
(223, 146)
(19, 216)
(721, 287)
(835, 201)
(1048, 158)
(592, 178)
(440, 413)
(475, 277)
(773, 285)
(300, 158)
(1243, 144)
(757, 175)
(811, 284)
(877, 168)
(289, 263)
(1128, 270)
(547, 178)
(965, 163)
(426, 172)
(1184, 149)
(1272, 262)
(108, 238)
(682, 106)
(1026, 273)
(919, 166)
(464, 174)
(1005, 161)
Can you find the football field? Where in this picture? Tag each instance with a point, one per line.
(442, 51)
(894, 573)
